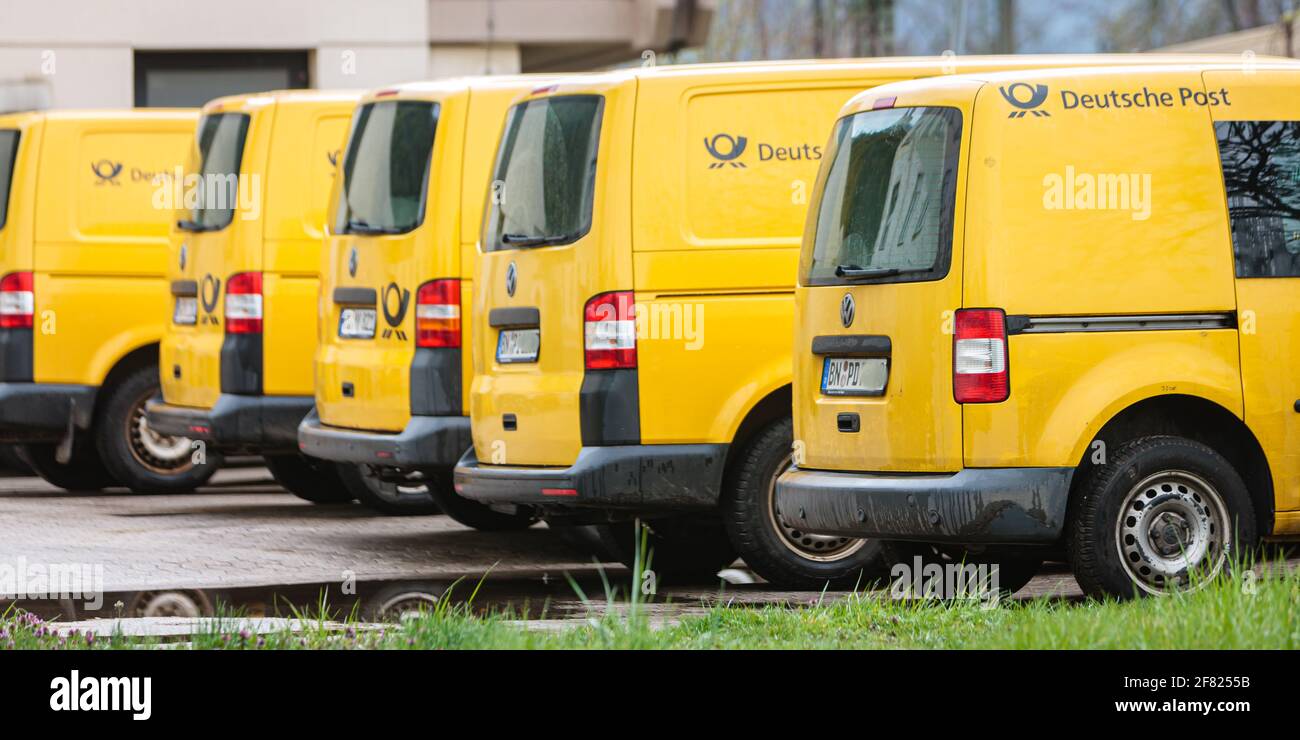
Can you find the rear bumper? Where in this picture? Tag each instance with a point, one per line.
(974, 506)
(634, 477)
(235, 423)
(38, 412)
(426, 442)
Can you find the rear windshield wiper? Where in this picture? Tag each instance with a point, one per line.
(521, 240)
(357, 226)
(186, 224)
(853, 272)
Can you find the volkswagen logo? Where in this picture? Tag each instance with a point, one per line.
(185, 250)
(512, 279)
(352, 262)
(847, 310)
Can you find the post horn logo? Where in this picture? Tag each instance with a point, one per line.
(394, 314)
(512, 279)
(1036, 96)
(208, 294)
(107, 171)
(734, 147)
(848, 309)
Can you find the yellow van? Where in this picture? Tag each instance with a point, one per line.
(635, 296)
(391, 376)
(236, 356)
(1056, 310)
(83, 250)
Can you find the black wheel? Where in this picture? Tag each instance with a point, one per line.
(137, 456)
(308, 478)
(407, 498)
(780, 552)
(472, 513)
(678, 550)
(963, 573)
(1163, 514)
(83, 472)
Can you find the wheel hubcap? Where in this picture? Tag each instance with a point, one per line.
(158, 452)
(819, 547)
(1171, 524)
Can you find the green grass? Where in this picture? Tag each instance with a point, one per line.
(1230, 612)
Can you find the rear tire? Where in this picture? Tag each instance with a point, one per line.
(1161, 508)
(472, 513)
(308, 478)
(780, 553)
(386, 497)
(138, 457)
(83, 472)
(686, 550)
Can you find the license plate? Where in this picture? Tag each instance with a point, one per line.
(854, 376)
(357, 323)
(186, 311)
(518, 345)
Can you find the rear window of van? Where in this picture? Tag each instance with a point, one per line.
(386, 169)
(221, 148)
(545, 175)
(8, 155)
(885, 212)
(1261, 173)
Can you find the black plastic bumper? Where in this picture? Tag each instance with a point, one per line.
(974, 506)
(639, 477)
(235, 423)
(38, 412)
(426, 442)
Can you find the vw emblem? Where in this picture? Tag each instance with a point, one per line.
(847, 310)
(352, 262)
(512, 278)
(185, 249)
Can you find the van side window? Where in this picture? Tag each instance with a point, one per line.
(8, 153)
(1261, 173)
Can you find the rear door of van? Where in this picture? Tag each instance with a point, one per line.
(556, 235)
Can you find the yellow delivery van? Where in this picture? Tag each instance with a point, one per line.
(236, 356)
(635, 300)
(1007, 347)
(84, 224)
(392, 370)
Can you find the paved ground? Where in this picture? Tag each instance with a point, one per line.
(245, 542)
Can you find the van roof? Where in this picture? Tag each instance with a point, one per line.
(901, 65)
(11, 120)
(424, 89)
(249, 101)
(973, 81)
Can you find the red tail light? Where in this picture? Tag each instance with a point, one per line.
(611, 331)
(244, 303)
(437, 314)
(980, 371)
(17, 301)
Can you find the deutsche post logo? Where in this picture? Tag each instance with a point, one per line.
(107, 171)
(1026, 97)
(395, 302)
(726, 149)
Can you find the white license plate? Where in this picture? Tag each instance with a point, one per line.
(518, 345)
(186, 311)
(854, 376)
(357, 323)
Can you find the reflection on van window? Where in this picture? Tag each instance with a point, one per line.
(221, 147)
(1261, 172)
(386, 169)
(546, 173)
(887, 198)
(8, 155)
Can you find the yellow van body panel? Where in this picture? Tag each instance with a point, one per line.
(442, 246)
(286, 174)
(91, 230)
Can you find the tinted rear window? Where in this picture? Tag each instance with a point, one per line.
(885, 209)
(386, 169)
(221, 148)
(1261, 173)
(8, 154)
(545, 175)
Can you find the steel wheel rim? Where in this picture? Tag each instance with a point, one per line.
(821, 548)
(1170, 524)
(160, 453)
